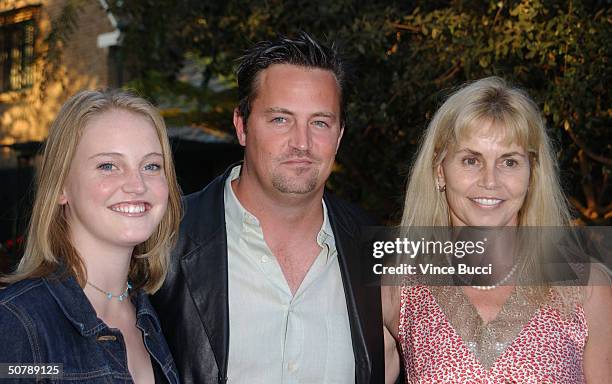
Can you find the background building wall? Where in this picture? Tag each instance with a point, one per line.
(25, 115)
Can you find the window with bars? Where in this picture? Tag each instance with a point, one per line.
(17, 37)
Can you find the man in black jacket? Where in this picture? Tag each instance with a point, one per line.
(265, 283)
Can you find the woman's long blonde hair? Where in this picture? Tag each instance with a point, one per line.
(516, 115)
(48, 242)
(515, 118)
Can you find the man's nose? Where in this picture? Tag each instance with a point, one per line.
(300, 136)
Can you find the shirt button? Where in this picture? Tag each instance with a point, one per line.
(264, 259)
(291, 367)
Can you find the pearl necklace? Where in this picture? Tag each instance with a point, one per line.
(487, 287)
(502, 281)
(109, 295)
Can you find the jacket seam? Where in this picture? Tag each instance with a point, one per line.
(92, 374)
(29, 328)
(21, 291)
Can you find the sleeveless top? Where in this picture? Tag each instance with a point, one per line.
(444, 340)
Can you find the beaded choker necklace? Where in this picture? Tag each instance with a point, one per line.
(109, 295)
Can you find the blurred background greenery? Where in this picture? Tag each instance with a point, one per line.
(406, 57)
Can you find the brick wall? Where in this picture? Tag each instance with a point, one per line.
(26, 114)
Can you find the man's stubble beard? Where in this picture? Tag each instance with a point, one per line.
(284, 184)
(299, 183)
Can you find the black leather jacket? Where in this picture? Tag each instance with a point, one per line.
(193, 302)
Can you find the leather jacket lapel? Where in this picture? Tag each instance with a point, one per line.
(351, 271)
(206, 275)
(205, 271)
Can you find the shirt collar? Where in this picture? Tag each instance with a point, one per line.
(325, 235)
(235, 212)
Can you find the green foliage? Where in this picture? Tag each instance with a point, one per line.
(406, 57)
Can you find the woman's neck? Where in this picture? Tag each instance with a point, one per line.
(107, 270)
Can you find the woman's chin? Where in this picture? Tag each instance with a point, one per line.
(484, 221)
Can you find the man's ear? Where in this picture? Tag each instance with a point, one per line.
(240, 127)
(339, 138)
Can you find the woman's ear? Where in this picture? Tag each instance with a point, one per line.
(62, 199)
(440, 180)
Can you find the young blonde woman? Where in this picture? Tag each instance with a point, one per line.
(106, 212)
(486, 161)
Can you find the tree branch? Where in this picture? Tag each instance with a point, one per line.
(598, 158)
(583, 211)
(449, 74)
(406, 27)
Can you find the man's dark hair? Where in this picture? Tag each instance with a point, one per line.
(301, 51)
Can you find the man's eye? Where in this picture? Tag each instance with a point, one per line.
(321, 124)
(152, 167)
(279, 120)
(106, 166)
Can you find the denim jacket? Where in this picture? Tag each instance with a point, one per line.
(49, 320)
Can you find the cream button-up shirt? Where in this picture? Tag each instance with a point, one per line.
(274, 336)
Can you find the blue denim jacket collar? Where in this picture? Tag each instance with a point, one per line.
(79, 311)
